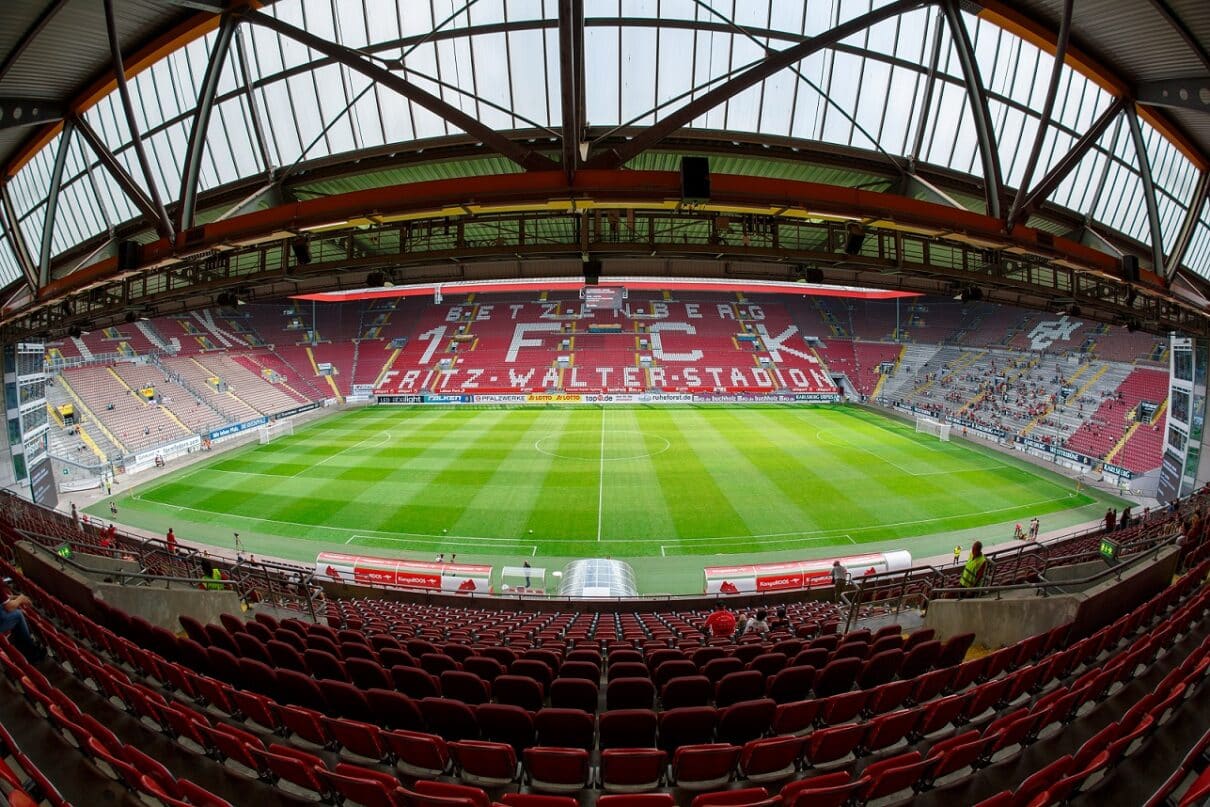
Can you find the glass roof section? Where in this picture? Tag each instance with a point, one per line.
(499, 62)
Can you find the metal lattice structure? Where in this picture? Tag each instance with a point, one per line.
(218, 134)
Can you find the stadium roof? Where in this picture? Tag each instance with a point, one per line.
(937, 102)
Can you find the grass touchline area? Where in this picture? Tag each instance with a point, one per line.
(651, 485)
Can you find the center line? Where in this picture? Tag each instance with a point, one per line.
(601, 474)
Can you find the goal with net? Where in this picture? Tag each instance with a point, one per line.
(934, 427)
(278, 428)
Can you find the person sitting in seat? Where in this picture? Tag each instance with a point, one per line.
(13, 622)
(720, 623)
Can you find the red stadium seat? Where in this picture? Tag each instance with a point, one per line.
(632, 770)
(557, 770)
(704, 767)
(488, 764)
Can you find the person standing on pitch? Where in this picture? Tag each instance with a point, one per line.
(957, 554)
(526, 566)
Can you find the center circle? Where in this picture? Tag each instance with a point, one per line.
(621, 444)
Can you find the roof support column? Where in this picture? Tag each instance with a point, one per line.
(1153, 210)
(1048, 106)
(993, 180)
(52, 203)
(163, 223)
(16, 240)
(1189, 225)
(201, 122)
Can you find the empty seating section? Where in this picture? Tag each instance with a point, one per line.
(196, 416)
(1117, 412)
(266, 398)
(258, 364)
(197, 378)
(134, 423)
(295, 381)
(860, 361)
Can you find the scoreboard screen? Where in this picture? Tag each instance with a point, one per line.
(603, 297)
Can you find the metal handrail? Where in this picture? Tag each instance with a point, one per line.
(1044, 586)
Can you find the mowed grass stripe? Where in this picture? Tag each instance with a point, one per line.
(694, 499)
(773, 478)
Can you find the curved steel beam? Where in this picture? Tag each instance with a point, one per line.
(1153, 210)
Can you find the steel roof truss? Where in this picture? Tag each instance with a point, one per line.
(1185, 236)
(1059, 171)
(773, 63)
(125, 181)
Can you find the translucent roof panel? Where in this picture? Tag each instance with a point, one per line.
(498, 62)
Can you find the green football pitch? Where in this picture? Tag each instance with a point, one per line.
(670, 489)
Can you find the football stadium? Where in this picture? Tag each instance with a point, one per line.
(562, 403)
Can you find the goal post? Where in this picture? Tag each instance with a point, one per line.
(278, 428)
(936, 428)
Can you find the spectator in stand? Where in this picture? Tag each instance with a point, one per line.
(1111, 518)
(720, 623)
(1124, 521)
(12, 621)
(838, 577)
(109, 539)
(976, 567)
(170, 540)
(761, 623)
(781, 621)
(211, 576)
